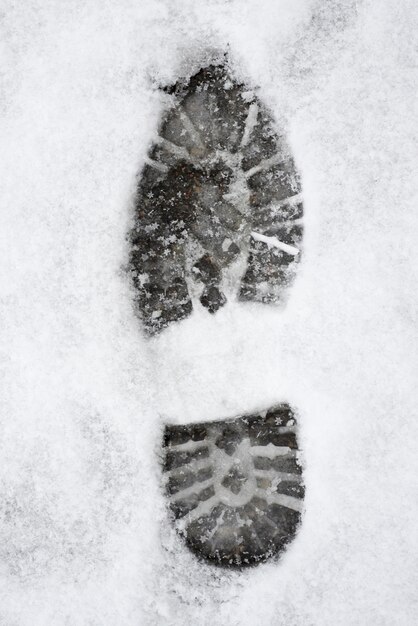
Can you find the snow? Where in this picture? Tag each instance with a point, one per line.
(84, 537)
(273, 242)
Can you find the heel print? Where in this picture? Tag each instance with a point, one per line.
(235, 487)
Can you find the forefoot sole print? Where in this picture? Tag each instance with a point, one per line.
(235, 487)
(218, 209)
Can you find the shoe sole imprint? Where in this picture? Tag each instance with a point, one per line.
(218, 215)
(218, 210)
(235, 486)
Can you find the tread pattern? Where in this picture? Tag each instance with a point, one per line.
(235, 487)
(218, 172)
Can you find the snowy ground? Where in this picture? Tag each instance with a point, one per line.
(83, 533)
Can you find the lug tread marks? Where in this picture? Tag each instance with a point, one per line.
(217, 171)
(235, 487)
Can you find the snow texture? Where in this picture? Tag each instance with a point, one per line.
(84, 536)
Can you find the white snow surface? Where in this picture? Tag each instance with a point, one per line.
(84, 537)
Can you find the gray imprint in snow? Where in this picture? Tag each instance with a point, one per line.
(218, 215)
(235, 486)
(218, 210)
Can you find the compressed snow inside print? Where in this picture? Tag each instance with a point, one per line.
(85, 539)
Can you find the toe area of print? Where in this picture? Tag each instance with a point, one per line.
(218, 170)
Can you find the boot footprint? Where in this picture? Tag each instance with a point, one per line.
(218, 215)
